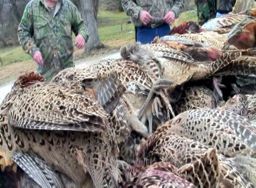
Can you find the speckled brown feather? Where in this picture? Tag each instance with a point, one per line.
(161, 174)
(195, 97)
(230, 133)
(57, 124)
(195, 161)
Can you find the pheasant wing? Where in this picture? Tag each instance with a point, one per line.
(38, 170)
(50, 107)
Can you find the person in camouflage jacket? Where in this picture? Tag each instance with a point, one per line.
(45, 32)
(206, 9)
(152, 17)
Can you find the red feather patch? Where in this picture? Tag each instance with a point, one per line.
(29, 79)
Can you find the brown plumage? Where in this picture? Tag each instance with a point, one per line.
(230, 133)
(205, 38)
(243, 105)
(196, 163)
(180, 69)
(161, 174)
(195, 97)
(243, 35)
(223, 23)
(136, 80)
(186, 27)
(58, 128)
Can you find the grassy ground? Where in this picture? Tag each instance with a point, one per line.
(113, 28)
(12, 55)
(114, 31)
(187, 16)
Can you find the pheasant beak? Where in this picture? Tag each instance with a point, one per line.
(6, 161)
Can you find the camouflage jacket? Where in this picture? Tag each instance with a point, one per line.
(206, 9)
(157, 8)
(225, 5)
(50, 31)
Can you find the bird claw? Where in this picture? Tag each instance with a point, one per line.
(150, 123)
(162, 83)
(167, 104)
(156, 107)
(159, 84)
(217, 85)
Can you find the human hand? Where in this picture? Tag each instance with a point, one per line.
(145, 17)
(80, 42)
(38, 58)
(169, 17)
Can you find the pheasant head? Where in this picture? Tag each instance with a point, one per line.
(28, 79)
(251, 12)
(22, 82)
(186, 27)
(238, 104)
(203, 54)
(243, 35)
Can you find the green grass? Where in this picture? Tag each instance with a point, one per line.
(113, 26)
(12, 55)
(187, 16)
(111, 18)
(113, 30)
(116, 32)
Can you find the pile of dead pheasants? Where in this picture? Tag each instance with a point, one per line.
(179, 112)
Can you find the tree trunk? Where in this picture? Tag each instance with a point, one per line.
(96, 8)
(1, 8)
(15, 11)
(89, 13)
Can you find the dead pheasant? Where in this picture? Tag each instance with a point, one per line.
(46, 127)
(195, 97)
(123, 114)
(186, 27)
(138, 79)
(237, 104)
(206, 39)
(243, 35)
(230, 133)
(174, 62)
(243, 105)
(182, 68)
(223, 23)
(166, 146)
(161, 174)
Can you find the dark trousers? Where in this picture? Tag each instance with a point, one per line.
(146, 34)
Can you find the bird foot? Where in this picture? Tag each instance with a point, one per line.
(168, 105)
(156, 107)
(159, 84)
(217, 86)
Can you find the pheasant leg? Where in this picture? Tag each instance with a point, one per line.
(217, 87)
(167, 104)
(161, 83)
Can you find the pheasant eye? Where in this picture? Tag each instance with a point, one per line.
(178, 120)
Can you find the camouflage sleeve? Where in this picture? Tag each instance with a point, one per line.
(77, 24)
(25, 32)
(177, 7)
(131, 8)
